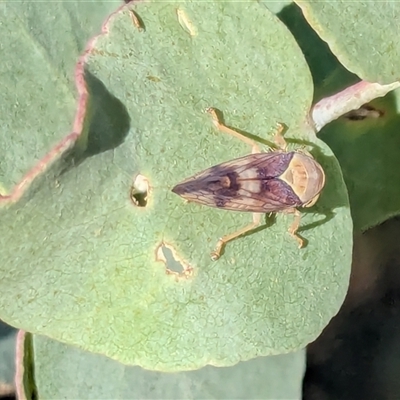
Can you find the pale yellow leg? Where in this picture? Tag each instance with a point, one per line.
(295, 226)
(227, 238)
(278, 137)
(223, 128)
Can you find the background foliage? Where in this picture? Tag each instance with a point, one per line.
(66, 224)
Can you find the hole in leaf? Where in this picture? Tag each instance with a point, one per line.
(140, 191)
(174, 265)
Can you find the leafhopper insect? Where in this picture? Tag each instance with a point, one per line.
(276, 181)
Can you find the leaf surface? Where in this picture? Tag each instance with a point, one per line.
(362, 34)
(40, 46)
(82, 263)
(63, 371)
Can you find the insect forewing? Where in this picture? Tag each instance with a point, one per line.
(250, 183)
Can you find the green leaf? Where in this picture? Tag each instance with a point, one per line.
(40, 45)
(368, 152)
(362, 35)
(277, 5)
(65, 372)
(7, 359)
(25, 370)
(85, 260)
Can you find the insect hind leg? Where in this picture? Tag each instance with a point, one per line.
(227, 238)
(223, 128)
(295, 226)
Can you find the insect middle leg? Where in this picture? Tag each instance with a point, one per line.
(227, 238)
(223, 128)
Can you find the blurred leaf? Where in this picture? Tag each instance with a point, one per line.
(368, 152)
(351, 103)
(276, 6)
(362, 35)
(65, 372)
(7, 356)
(82, 257)
(25, 371)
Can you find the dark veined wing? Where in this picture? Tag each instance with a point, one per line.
(272, 164)
(261, 196)
(250, 183)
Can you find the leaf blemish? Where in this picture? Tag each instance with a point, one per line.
(174, 264)
(153, 78)
(185, 22)
(137, 21)
(140, 191)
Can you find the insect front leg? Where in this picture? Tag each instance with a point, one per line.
(227, 238)
(295, 225)
(223, 128)
(278, 137)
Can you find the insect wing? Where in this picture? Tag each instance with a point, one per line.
(250, 183)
